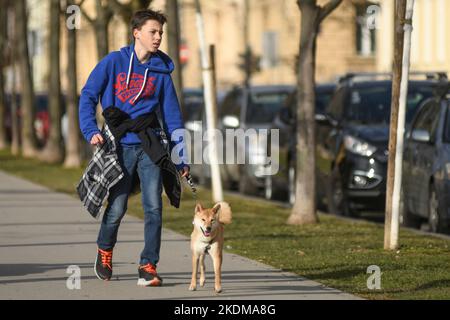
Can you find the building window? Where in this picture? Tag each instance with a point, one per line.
(365, 32)
(269, 57)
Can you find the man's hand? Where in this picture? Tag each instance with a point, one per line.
(184, 172)
(97, 139)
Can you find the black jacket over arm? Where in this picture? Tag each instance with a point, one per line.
(119, 122)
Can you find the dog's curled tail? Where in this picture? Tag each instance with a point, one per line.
(224, 213)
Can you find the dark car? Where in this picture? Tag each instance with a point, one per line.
(41, 119)
(193, 120)
(195, 123)
(352, 140)
(251, 108)
(425, 192)
(193, 104)
(281, 185)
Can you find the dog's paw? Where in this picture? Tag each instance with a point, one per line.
(192, 288)
(218, 290)
(202, 282)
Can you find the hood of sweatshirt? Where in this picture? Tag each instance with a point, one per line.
(158, 62)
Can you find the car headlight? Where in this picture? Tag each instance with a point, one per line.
(257, 154)
(358, 146)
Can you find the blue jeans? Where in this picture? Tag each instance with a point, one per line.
(134, 158)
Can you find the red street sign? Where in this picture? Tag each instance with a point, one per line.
(184, 54)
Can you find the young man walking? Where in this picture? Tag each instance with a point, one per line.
(137, 81)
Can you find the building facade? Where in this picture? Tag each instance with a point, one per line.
(273, 36)
(357, 36)
(430, 39)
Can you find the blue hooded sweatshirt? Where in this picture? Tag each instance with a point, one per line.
(121, 80)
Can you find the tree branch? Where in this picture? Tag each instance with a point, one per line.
(328, 8)
(103, 11)
(116, 6)
(109, 14)
(89, 19)
(306, 3)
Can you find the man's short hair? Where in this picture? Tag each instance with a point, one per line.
(140, 18)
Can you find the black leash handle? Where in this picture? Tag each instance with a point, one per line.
(191, 184)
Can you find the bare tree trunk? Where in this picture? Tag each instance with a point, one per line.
(126, 10)
(3, 140)
(12, 42)
(173, 30)
(400, 12)
(73, 157)
(101, 30)
(100, 26)
(29, 141)
(53, 151)
(3, 36)
(15, 128)
(304, 209)
(247, 49)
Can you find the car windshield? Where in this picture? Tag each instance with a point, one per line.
(263, 106)
(41, 103)
(193, 105)
(373, 105)
(322, 100)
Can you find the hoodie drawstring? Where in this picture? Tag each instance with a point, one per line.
(130, 67)
(143, 86)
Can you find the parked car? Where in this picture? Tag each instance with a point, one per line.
(282, 185)
(425, 194)
(41, 120)
(193, 104)
(249, 108)
(352, 139)
(195, 123)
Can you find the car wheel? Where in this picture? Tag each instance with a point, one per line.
(322, 190)
(202, 179)
(435, 220)
(245, 186)
(268, 190)
(406, 218)
(339, 204)
(291, 183)
(227, 182)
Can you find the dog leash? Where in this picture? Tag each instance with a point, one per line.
(191, 185)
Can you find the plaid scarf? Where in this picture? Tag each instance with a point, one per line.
(101, 174)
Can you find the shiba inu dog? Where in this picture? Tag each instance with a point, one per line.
(207, 237)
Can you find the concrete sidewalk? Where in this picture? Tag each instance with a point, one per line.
(42, 233)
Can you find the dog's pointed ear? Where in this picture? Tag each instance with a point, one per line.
(216, 208)
(198, 208)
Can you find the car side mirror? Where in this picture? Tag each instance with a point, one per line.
(230, 121)
(323, 119)
(420, 135)
(408, 135)
(193, 125)
(286, 116)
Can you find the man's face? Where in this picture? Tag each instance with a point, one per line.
(149, 36)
